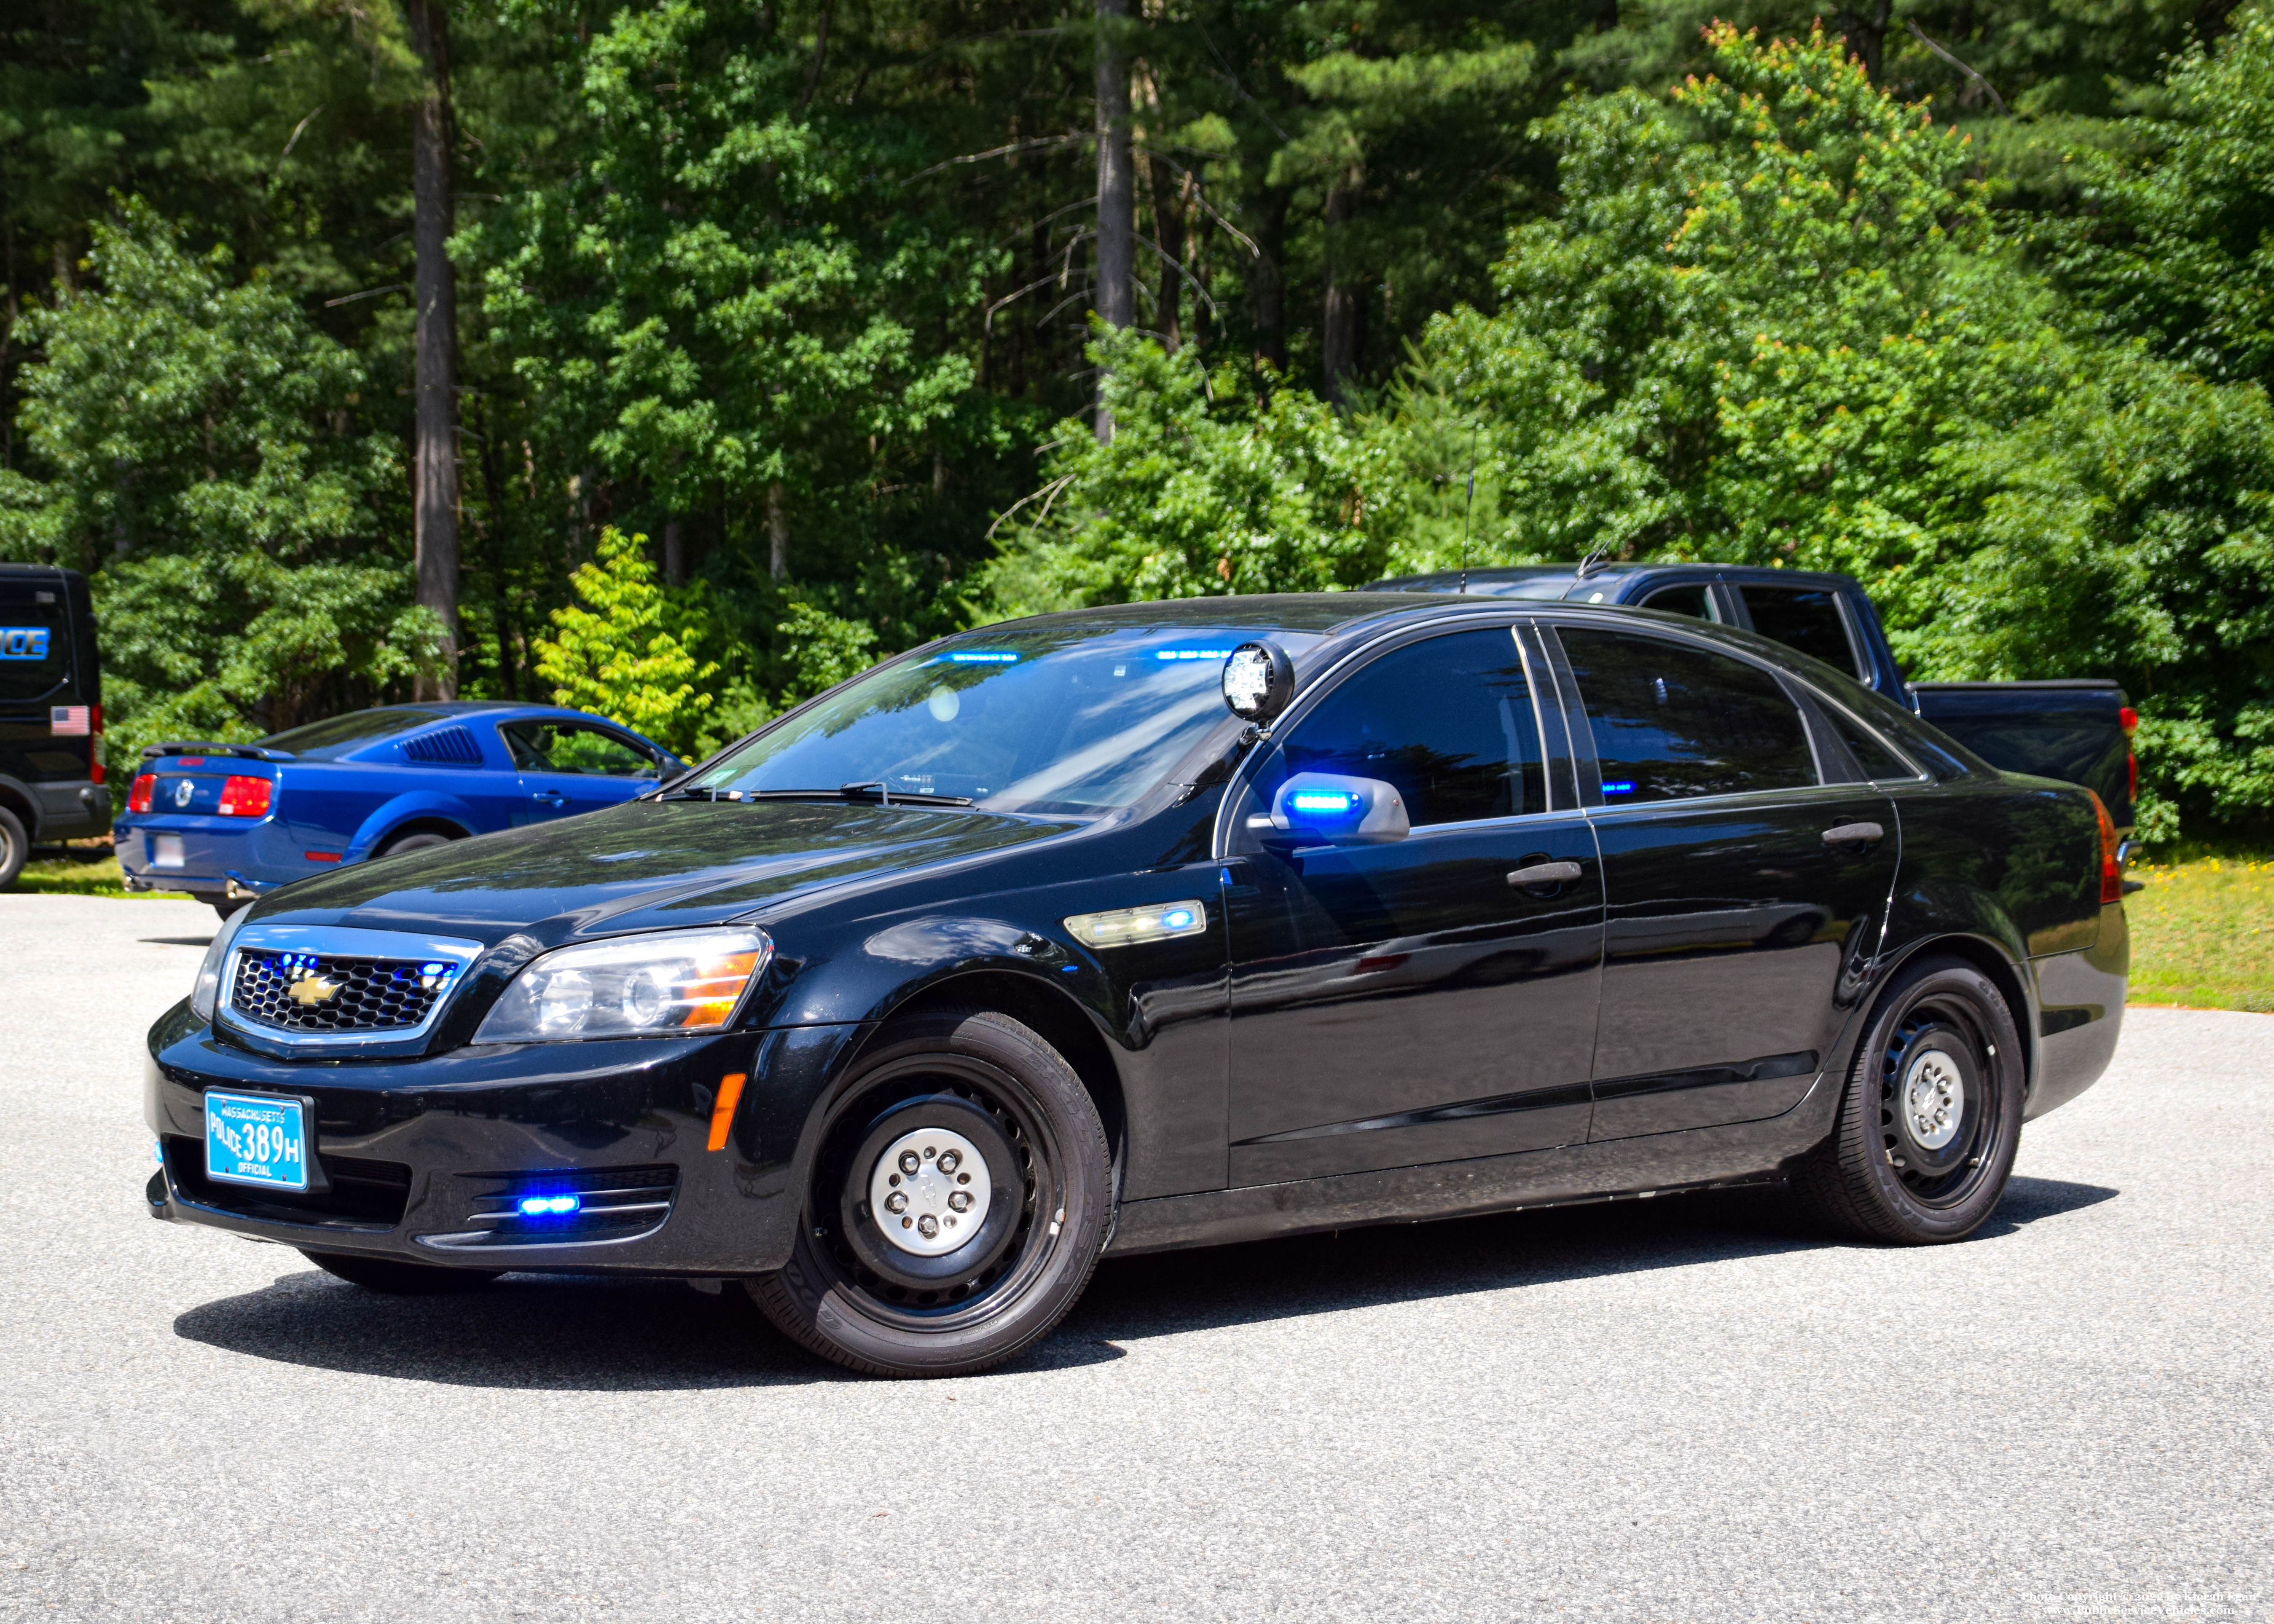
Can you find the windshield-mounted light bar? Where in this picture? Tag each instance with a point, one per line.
(973, 657)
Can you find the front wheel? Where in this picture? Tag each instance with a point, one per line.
(15, 846)
(956, 1208)
(1933, 1116)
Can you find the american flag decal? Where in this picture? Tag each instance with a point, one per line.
(68, 721)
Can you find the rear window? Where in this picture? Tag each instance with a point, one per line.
(339, 735)
(34, 650)
(1803, 618)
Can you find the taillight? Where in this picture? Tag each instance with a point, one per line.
(2128, 720)
(138, 793)
(247, 797)
(2112, 872)
(94, 750)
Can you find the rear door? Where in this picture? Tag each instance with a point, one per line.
(1745, 891)
(1404, 1002)
(570, 767)
(46, 725)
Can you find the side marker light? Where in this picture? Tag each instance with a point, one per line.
(722, 1113)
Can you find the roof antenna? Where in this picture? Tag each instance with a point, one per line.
(1593, 562)
(1468, 505)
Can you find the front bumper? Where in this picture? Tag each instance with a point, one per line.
(417, 1153)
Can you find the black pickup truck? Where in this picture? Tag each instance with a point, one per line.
(51, 784)
(2079, 731)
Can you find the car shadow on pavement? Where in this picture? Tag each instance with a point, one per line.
(591, 1333)
(1167, 1292)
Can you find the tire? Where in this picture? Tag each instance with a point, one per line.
(416, 842)
(398, 1278)
(1940, 1060)
(980, 1085)
(15, 846)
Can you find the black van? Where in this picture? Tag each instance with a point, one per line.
(50, 713)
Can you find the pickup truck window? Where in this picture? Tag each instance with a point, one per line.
(1671, 721)
(1803, 618)
(1448, 722)
(1696, 600)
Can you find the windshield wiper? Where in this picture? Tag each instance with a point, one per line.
(872, 789)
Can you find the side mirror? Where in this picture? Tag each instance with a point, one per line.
(1334, 810)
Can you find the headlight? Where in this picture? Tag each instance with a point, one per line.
(207, 992)
(681, 981)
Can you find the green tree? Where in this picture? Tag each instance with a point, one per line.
(204, 467)
(627, 651)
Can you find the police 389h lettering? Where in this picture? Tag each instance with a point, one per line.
(1163, 926)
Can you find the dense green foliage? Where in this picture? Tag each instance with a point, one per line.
(1973, 299)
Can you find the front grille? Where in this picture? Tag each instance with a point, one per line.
(614, 1204)
(364, 1195)
(329, 992)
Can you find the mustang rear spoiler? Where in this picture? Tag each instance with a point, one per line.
(200, 746)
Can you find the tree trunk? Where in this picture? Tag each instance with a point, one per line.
(1865, 28)
(777, 530)
(434, 345)
(1116, 293)
(1338, 348)
(674, 554)
(1170, 206)
(1266, 287)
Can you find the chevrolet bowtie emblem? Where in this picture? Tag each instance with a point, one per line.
(310, 990)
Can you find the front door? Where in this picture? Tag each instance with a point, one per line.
(571, 767)
(1404, 1002)
(1745, 894)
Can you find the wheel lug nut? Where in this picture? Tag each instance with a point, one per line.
(908, 1163)
(897, 1202)
(949, 1161)
(959, 1200)
(927, 1226)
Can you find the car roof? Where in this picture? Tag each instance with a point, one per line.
(1482, 583)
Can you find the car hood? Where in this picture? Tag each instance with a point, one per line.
(647, 866)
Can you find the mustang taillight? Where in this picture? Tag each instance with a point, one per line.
(245, 797)
(138, 793)
(2111, 871)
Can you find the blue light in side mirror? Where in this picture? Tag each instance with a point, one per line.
(1332, 802)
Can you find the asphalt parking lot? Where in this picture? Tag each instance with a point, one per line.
(1689, 1409)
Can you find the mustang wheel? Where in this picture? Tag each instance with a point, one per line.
(398, 1278)
(1932, 1115)
(956, 1208)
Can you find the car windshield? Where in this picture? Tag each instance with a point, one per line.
(1081, 717)
(334, 736)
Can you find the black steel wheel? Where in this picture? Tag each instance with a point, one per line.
(1932, 1115)
(956, 1207)
(398, 1278)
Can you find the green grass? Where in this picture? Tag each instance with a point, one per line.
(2202, 931)
(85, 868)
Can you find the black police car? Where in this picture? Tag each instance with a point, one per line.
(51, 775)
(1161, 926)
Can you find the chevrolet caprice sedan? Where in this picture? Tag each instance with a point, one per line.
(1164, 926)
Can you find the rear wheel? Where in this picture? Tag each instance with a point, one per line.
(416, 842)
(15, 846)
(957, 1206)
(1933, 1116)
(398, 1278)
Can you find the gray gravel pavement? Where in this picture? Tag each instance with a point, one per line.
(1688, 1409)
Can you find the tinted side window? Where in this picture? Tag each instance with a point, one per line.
(1671, 721)
(567, 747)
(1448, 722)
(1875, 758)
(1803, 618)
(1697, 601)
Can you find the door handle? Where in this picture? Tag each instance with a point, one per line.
(1545, 874)
(1854, 834)
(551, 798)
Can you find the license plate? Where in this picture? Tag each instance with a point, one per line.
(254, 1139)
(165, 851)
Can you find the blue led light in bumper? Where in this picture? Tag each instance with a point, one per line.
(548, 1205)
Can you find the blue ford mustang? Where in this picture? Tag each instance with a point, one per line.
(229, 821)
